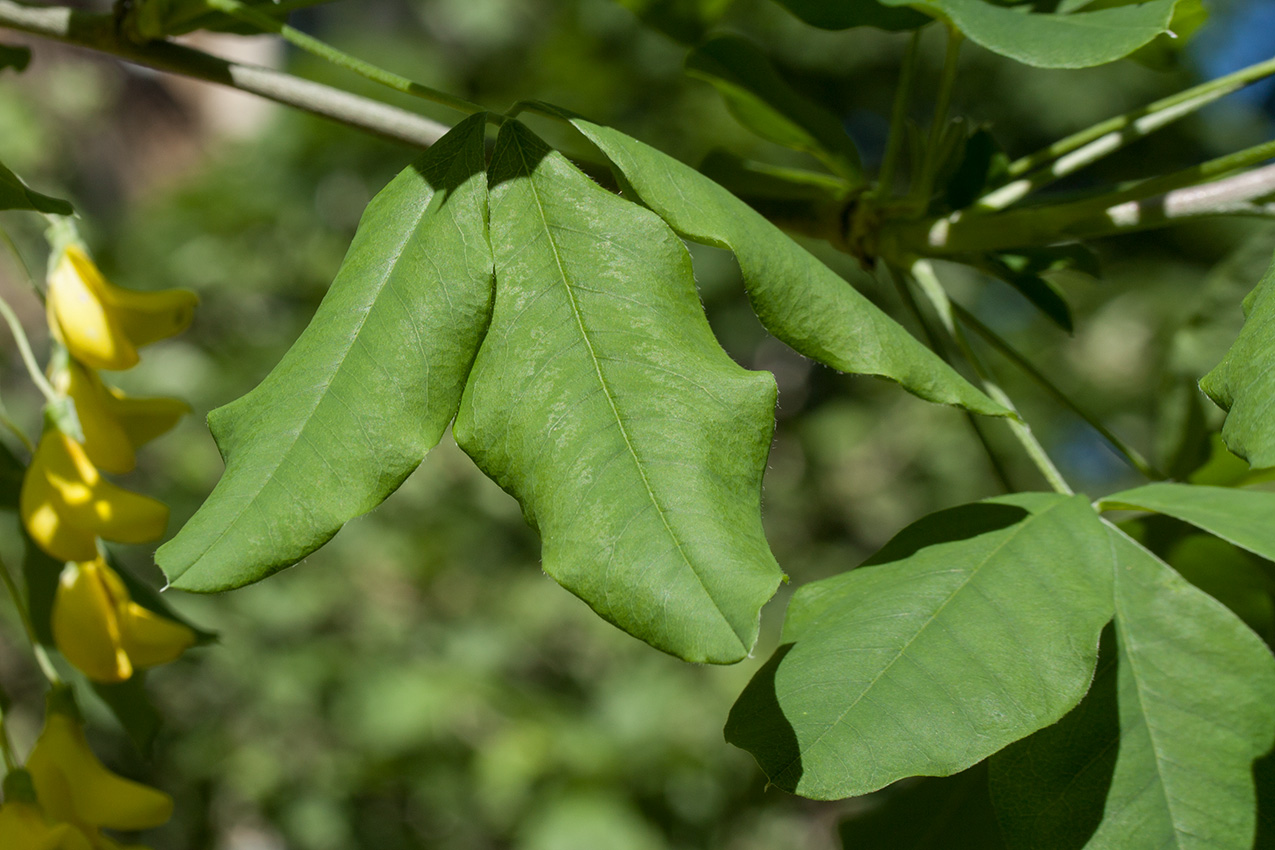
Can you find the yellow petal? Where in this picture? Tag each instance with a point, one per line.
(150, 639)
(86, 623)
(144, 419)
(62, 478)
(74, 786)
(81, 318)
(148, 317)
(106, 442)
(24, 827)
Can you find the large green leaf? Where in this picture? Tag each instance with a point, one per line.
(845, 14)
(367, 389)
(1161, 752)
(1242, 517)
(765, 103)
(1243, 384)
(973, 628)
(798, 299)
(602, 401)
(1086, 34)
(16, 195)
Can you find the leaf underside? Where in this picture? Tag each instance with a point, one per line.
(367, 389)
(601, 400)
(1241, 517)
(974, 627)
(1243, 384)
(1160, 753)
(798, 299)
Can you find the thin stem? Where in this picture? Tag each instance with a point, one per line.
(340, 58)
(923, 274)
(936, 345)
(1088, 146)
(24, 348)
(898, 117)
(14, 428)
(1128, 452)
(99, 32)
(41, 656)
(924, 183)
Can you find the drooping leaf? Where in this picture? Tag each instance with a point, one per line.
(14, 56)
(132, 707)
(1163, 755)
(798, 299)
(681, 20)
(747, 178)
(1243, 384)
(367, 389)
(766, 104)
(16, 195)
(972, 628)
(845, 14)
(1242, 517)
(951, 812)
(1085, 35)
(1044, 295)
(602, 401)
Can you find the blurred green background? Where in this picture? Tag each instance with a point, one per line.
(419, 682)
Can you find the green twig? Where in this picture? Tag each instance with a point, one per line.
(923, 274)
(325, 51)
(24, 348)
(1128, 452)
(898, 117)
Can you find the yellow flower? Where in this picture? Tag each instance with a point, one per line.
(103, 632)
(103, 325)
(24, 827)
(65, 503)
(115, 425)
(74, 787)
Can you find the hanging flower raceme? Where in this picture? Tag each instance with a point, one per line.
(74, 787)
(24, 826)
(66, 503)
(114, 424)
(103, 632)
(103, 325)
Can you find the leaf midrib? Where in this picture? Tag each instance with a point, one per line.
(606, 391)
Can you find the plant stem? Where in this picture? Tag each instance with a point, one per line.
(323, 50)
(923, 185)
(898, 117)
(98, 32)
(998, 468)
(923, 274)
(24, 348)
(1128, 452)
(1088, 146)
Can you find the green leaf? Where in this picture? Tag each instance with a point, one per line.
(682, 20)
(798, 299)
(845, 14)
(1161, 754)
(748, 178)
(1019, 272)
(1242, 517)
(952, 813)
(150, 20)
(16, 195)
(974, 627)
(1093, 34)
(766, 104)
(132, 707)
(14, 56)
(1243, 384)
(40, 573)
(602, 401)
(1231, 576)
(367, 389)
(12, 471)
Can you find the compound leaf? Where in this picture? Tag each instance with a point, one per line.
(1161, 752)
(1241, 517)
(973, 628)
(367, 389)
(602, 401)
(1243, 384)
(798, 299)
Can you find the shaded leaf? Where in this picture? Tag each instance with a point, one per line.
(1040, 292)
(16, 195)
(40, 574)
(1092, 34)
(760, 179)
(972, 628)
(1243, 384)
(1242, 517)
(1231, 576)
(14, 56)
(682, 20)
(150, 20)
(12, 471)
(132, 707)
(798, 299)
(766, 104)
(951, 812)
(367, 389)
(602, 401)
(1179, 754)
(845, 14)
